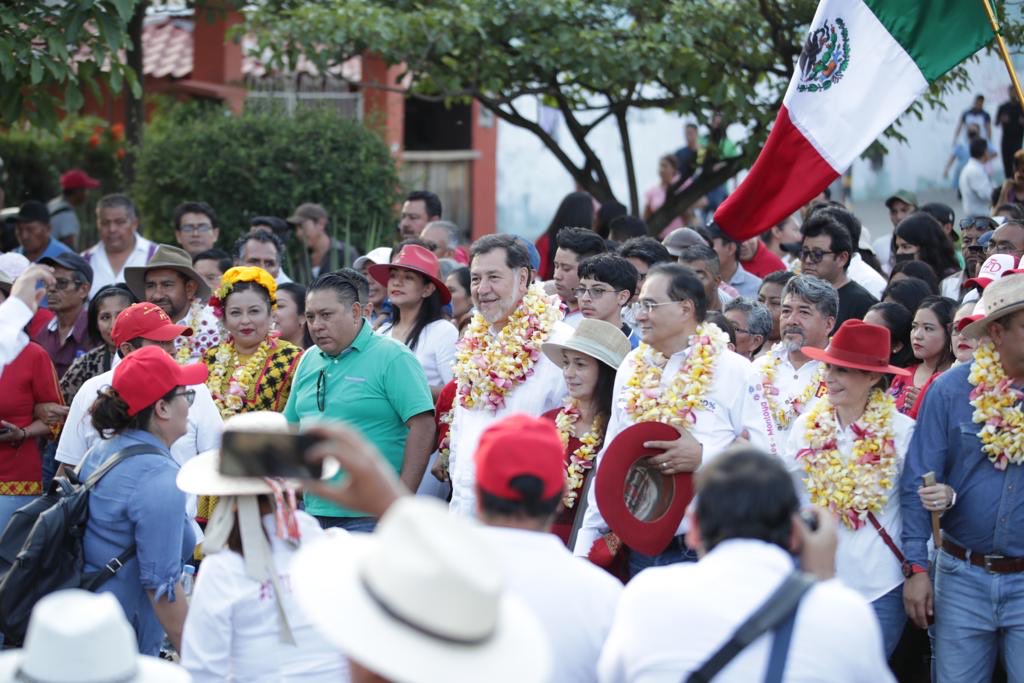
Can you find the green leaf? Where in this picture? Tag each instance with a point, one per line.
(36, 71)
(73, 99)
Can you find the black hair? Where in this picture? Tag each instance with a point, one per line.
(779, 277)
(724, 324)
(348, 285)
(430, 200)
(516, 256)
(1015, 210)
(431, 309)
(898, 319)
(222, 258)
(822, 223)
(978, 147)
(934, 246)
(646, 249)
(297, 293)
(625, 228)
(118, 289)
(715, 232)
(745, 493)
(610, 269)
(944, 310)
(194, 207)
(575, 209)
(531, 489)
(257, 236)
(909, 291)
(462, 275)
(248, 285)
(608, 212)
(853, 226)
(583, 242)
(110, 413)
(683, 286)
(919, 269)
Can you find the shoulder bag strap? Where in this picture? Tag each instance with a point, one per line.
(887, 539)
(780, 649)
(114, 460)
(780, 605)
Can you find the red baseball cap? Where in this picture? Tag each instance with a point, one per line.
(145, 376)
(77, 179)
(148, 321)
(520, 445)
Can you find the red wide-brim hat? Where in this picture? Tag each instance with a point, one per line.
(858, 345)
(417, 259)
(640, 504)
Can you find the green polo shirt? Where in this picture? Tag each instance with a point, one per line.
(375, 385)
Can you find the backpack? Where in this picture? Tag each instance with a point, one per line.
(41, 548)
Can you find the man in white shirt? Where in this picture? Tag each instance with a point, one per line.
(517, 499)
(670, 316)
(500, 277)
(785, 382)
(120, 243)
(672, 619)
(975, 185)
(17, 310)
(574, 245)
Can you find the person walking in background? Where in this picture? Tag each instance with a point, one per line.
(975, 185)
(1010, 118)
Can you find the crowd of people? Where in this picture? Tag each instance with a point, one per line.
(507, 510)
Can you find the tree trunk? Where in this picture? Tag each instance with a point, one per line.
(134, 112)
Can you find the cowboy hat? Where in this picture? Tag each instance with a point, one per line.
(75, 636)
(858, 345)
(1000, 299)
(420, 600)
(171, 258)
(417, 259)
(641, 505)
(595, 338)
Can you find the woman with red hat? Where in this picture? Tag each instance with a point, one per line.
(847, 454)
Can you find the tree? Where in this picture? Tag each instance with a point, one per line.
(593, 61)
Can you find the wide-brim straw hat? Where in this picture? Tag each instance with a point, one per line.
(171, 258)
(858, 345)
(1000, 299)
(595, 338)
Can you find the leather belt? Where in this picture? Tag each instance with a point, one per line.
(994, 564)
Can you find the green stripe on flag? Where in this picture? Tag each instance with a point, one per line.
(937, 34)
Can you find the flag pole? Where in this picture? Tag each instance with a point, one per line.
(1002, 49)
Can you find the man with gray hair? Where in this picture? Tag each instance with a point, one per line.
(442, 238)
(752, 323)
(784, 381)
(120, 243)
(703, 260)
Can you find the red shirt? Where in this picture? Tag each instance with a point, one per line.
(28, 380)
(764, 262)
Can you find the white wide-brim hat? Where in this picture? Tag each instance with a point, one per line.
(598, 339)
(436, 589)
(75, 636)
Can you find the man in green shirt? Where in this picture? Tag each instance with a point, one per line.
(373, 383)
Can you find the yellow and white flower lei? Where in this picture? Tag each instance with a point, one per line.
(185, 346)
(647, 401)
(996, 406)
(854, 485)
(488, 367)
(793, 407)
(582, 459)
(231, 382)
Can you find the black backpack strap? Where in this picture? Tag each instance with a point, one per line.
(114, 460)
(780, 605)
(94, 580)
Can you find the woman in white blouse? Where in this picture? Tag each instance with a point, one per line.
(846, 453)
(243, 623)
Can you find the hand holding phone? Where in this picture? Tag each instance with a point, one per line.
(269, 454)
(818, 541)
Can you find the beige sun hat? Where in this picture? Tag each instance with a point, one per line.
(172, 258)
(595, 338)
(75, 636)
(1001, 298)
(420, 600)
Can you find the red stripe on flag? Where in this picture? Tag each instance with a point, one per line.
(788, 173)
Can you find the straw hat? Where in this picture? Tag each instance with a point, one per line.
(1000, 299)
(595, 338)
(75, 636)
(420, 600)
(858, 345)
(171, 258)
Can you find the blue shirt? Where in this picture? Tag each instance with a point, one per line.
(989, 511)
(138, 502)
(53, 250)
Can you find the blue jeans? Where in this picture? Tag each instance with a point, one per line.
(977, 615)
(891, 617)
(9, 505)
(361, 524)
(675, 553)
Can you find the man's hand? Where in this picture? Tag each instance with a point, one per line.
(818, 548)
(440, 468)
(681, 455)
(25, 287)
(917, 599)
(52, 414)
(369, 484)
(10, 433)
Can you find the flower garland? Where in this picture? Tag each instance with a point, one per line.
(232, 382)
(487, 367)
(647, 401)
(582, 459)
(995, 402)
(444, 448)
(851, 486)
(793, 407)
(185, 344)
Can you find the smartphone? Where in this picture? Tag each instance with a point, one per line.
(263, 454)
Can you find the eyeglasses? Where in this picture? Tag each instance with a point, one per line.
(740, 330)
(647, 306)
(189, 394)
(321, 391)
(202, 228)
(813, 255)
(594, 293)
(1003, 247)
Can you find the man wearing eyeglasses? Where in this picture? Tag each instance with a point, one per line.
(195, 227)
(972, 252)
(66, 337)
(825, 252)
(607, 283)
(1008, 238)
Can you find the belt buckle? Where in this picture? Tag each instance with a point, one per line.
(988, 562)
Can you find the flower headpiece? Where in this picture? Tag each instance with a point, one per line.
(242, 274)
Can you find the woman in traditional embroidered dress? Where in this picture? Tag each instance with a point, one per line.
(931, 340)
(846, 453)
(589, 358)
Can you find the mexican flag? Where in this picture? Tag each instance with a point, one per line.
(863, 63)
